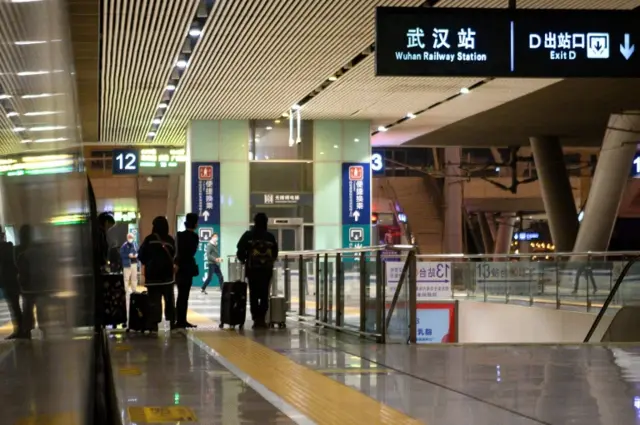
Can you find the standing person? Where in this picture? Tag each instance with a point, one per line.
(9, 283)
(258, 251)
(188, 242)
(129, 258)
(213, 263)
(157, 256)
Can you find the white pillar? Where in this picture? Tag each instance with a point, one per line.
(609, 182)
(557, 195)
(453, 201)
(504, 235)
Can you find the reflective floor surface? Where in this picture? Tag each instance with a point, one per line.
(166, 372)
(592, 385)
(44, 381)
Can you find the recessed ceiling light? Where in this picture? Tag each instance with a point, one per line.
(356, 140)
(56, 139)
(12, 114)
(27, 43)
(321, 153)
(182, 64)
(39, 95)
(39, 113)
(285, 115)
(5, 96)
(335, 146)
(277, 121)
(156, 121)
(295, 107)
(152, 134)
(29, 73)
(269, 128)
(19, 129)
(163, 106)
(382, 128)
(26, 141)
(333, 78)
(171, 87)
(48, 128)
(411, 115)
(464, 90)
(195, 32)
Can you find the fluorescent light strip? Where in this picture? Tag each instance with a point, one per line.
(29, 43)
(48, 128)
(37, 96)
(36, 114)
(57, 139)
(30, 73)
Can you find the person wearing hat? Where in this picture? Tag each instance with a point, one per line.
(187, 242)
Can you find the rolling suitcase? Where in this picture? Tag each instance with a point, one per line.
(143, 313)
(233, 306)
(277, 313)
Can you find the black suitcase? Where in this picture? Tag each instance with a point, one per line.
(233, 306)
(143, 313)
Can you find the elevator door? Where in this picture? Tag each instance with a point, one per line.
(289, 238)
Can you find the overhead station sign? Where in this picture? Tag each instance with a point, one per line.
(507, 43)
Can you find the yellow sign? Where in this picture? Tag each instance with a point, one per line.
(55, 419)
(123, 347)
(130, 371)
(169, 414)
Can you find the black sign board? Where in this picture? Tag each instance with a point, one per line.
(125, 161)
(507, 43)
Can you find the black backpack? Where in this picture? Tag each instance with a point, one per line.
(260, 254)
(160, 265)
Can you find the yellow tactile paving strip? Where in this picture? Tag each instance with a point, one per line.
(318, 397)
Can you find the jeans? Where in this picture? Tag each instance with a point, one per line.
(214, 268)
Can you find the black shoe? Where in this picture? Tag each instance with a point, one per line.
(203, 292)
(14, 335)
(191, 326)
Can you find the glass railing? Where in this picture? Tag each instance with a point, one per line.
(373, 292)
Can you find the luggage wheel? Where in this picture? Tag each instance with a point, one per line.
(282, 325)
(221, 326)
(241, 327)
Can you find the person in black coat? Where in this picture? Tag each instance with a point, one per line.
(9, 283)
(187, 268)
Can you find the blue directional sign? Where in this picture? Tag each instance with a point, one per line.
(205, 200)
(125, 161)
(507, 43)
(356, 204)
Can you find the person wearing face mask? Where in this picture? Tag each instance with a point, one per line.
(213, 261)
(129, 257)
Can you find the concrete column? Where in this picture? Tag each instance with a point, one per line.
(485, 231)
(585, 178)
(557, 195)
(504, 235)
(609, 182)
(453, 201)
(491, 221)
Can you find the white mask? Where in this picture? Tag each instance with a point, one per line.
(214, 241)
(130, 240)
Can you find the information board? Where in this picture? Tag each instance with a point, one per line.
(125, 161)
(506, 43)
(516, 278)
(433, 280)
(205, 200)
(377, 162)
(635, 166)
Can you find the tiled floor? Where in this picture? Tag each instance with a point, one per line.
(170, 370)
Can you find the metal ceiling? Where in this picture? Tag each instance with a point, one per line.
(37, 90)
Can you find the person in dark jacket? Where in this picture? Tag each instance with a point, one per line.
(157, 256)
(188, 242)
(258, 251)
(213, 263)
(9, 283)
(129, 259)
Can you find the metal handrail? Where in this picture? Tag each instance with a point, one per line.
(545, 254)
(612, 294)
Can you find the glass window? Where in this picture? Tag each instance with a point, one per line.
(274, 139)
(308, 238)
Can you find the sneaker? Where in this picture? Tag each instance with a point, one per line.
(203, 292)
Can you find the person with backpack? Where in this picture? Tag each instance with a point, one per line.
(258, 251)
(157, 254)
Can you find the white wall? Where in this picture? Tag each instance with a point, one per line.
(480, 322)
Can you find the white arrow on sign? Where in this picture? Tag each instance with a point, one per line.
(205, 215)
(356, 215)
(627, 48)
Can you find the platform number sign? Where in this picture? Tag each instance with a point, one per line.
(125, 161)
(377, 163)
(635, 167)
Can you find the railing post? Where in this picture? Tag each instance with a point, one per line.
(339, 291)
(287, 282)
(380, 298)
(363, 291)
(325, 289)
(413, 295)
(588, 274)
(557, 283)
(302, 286)
(318, 286)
